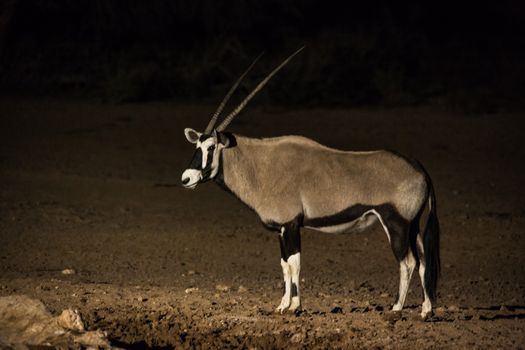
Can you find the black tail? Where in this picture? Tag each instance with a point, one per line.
(431, 247)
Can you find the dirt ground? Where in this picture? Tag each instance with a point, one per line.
(94, 188)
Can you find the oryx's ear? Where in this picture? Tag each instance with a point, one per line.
(192, 135)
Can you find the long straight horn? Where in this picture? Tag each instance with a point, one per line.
(239, 108)
(213, 120)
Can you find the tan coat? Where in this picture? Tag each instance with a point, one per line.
(283, 177)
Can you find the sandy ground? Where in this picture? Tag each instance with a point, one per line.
(94, 188)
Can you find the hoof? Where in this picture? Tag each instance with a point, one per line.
(295, 305)
(426, 315)
(281, 308)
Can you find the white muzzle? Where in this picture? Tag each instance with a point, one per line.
(190, 178)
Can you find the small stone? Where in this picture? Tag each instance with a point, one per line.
(68, 272)
(190, 290)
(191, 272)
(142, 299)
(385, 295)
(453, 308)
(297, 338)
(222, 288)
(242, 289)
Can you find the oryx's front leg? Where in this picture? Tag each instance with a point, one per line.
(285, 301)
(290, 243)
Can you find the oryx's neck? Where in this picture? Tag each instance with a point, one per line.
(239, 169)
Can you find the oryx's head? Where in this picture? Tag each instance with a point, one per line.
(205, 163)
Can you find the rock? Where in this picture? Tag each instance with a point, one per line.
(191, 272)
(70, 319)
(385, 295)
(25, 321)
(453, 308)
(222, 288)
(190, 290)
(242, 289)
(440, 310)
(68, 272)
(93, 340)
(297, 338)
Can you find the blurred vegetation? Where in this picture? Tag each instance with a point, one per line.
(373, 53)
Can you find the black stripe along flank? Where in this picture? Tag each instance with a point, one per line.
(387, 211)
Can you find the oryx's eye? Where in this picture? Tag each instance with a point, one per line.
(211, 148)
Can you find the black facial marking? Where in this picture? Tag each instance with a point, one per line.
(203, 138)
(206, 172)
(196, 161)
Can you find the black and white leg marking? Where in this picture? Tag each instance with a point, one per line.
(398, 231)
(426, 308)
(406, 268)
(290, 243)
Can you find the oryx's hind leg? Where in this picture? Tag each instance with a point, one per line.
(399, 233)
(406, 268)
(290, 243)
(426, 308)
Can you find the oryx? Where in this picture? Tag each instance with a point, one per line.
(293, 182)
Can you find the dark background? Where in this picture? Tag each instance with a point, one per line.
(467, 55)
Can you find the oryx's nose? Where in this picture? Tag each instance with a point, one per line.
(185, 180)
